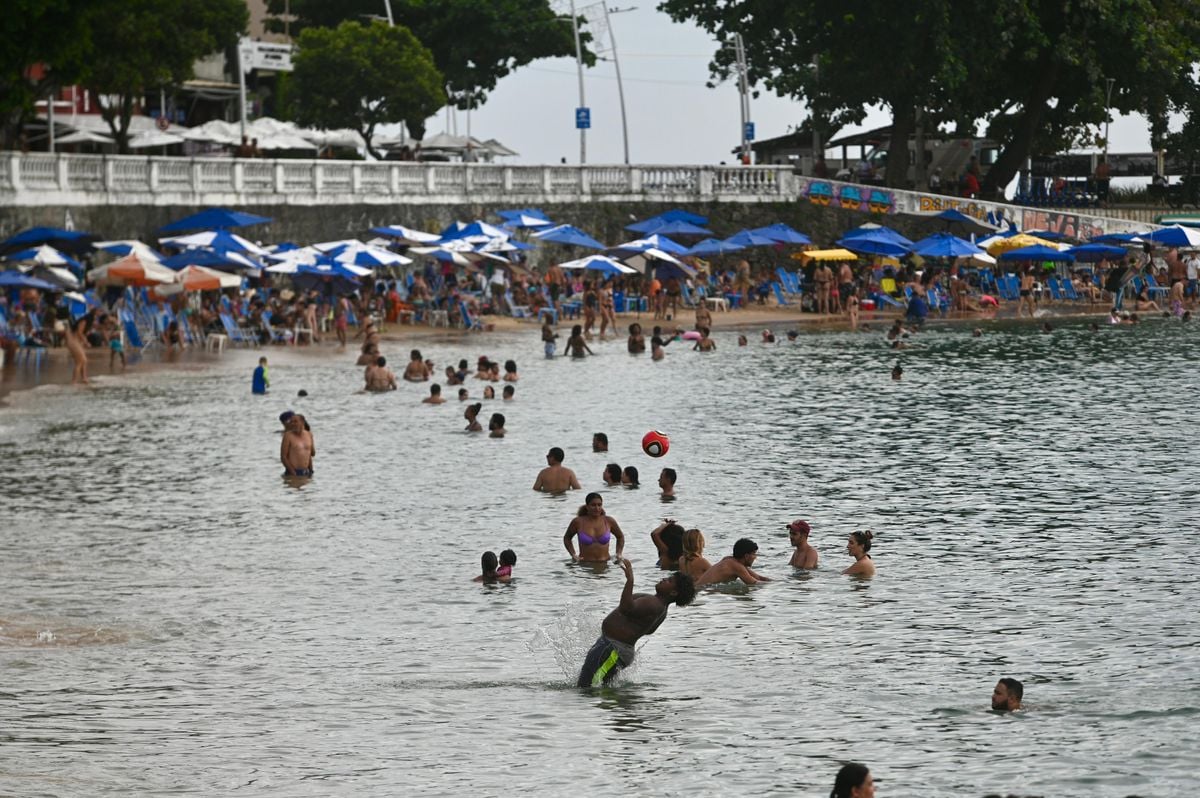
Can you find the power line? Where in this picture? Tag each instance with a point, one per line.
(692, 84)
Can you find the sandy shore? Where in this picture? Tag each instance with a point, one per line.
(56, 364)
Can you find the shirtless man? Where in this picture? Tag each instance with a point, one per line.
(435, 395)
(845, 283)
(705, 344)
(1007, 695)
(416, 370)
(555, 477)
(637, 615)
(666, 481)
(805, 556)
(379, 377)
(296, 449)
(745, 551)
(703, 317)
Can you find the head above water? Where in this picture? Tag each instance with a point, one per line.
(678, 587)
(853, 781)
(630, 477)
(743, 548)
(599, 442)
(590, 502)
(1007, 695)
(489, 563)
(555, 455)
(508, 557)
(667, 478)
(612, 474)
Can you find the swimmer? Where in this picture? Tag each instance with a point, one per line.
(471, 414)
(1094, 327)
(1046, 328)
(1007, 695)
(549, 336)
(705, 344)
(897, 372)
(742, 340)
(379, 377)
(792, 335)
(283, 418)
(977, 333)
(576, 346)
(489, 392)
(555, 477)
(805, 556)
(693, 562)
(296, 450)
(667, 538)
(260, 381)
(768, 337)
(416, 370)
(637, 615)
(599, 442)
(510, 371)
(637, 341)
(666, 481)
(301, 393)
(853, 781)
(489, 565)
(595, 530)
(370, 352)
(483, 368)
(745, 551)
(857, 547)
(496, 426)
(463, 395)
(508, 559)
(629, 477)
(509, 393)
(435, 395)
(612, 474)
(452, 376)
(1114, 316)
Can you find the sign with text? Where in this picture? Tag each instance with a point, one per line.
(265, 55)
(749, 131)
(583, 118)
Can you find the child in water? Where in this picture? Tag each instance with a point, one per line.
(261, 380)
(490, 567)
(508, 558)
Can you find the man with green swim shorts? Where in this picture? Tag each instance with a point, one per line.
(638, 614)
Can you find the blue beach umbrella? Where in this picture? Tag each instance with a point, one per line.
(944, 245)
(599, 263)
(748, 238)
(1094, 253)
(675, 228)
(65, 240)
(476, 232)
(1038, 253)
(1127, 239)
(782, 233)
(661, 243)
(13, 279)
(213, 259)
(673, 215)
(569, 235)
(876, 233)
(44, 255)
(1174, 236)
(214, 219)
(714, 246)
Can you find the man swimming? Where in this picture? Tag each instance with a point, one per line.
(637, 615)
(805, 556)
(745, 551)
(1007, 695)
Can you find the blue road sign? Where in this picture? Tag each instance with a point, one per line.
(583, 118)
(749, 131)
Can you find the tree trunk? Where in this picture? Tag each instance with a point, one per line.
(1015, 153)
(366, 137)
(897, 161)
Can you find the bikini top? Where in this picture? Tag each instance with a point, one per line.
(587, 540)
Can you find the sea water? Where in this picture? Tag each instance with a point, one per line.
(175, 618)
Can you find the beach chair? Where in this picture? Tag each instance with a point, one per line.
(1055, 289)
(1068, 289)
(1155, 291)
(137, 345)
(779, 297)
(883, 299)
(518, 311)
(469, 322)
(274, 336)
(237, 335)
(190, 336)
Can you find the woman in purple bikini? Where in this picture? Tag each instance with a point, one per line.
(595, 530)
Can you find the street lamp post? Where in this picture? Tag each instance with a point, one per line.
(579, 67)
(617, 64)
(1107, 111)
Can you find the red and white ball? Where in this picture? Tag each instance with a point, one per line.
(655, 443)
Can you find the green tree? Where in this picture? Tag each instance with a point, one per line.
(53, 33)
(147, 44)
(475, 43)
(361, 76)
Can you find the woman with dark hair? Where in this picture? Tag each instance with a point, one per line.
(857, 547)
(471, 414)
(488, 564)
(629, 477)
(853, 781)
(637, 341)
(612, 474)
(668, 539)
(595, 530)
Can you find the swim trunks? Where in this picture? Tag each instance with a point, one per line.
(300, 472)
(604, 661)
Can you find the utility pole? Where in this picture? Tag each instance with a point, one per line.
(1107, 111)
(616, 63)
(579, 68)
(744, 92)
(812, 110)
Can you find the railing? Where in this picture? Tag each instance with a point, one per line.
(68, 179)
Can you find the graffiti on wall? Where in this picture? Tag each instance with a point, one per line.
(849, 196)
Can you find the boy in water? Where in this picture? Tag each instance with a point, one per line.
(261, 380)
(548, 339)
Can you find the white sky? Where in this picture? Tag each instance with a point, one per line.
(673, 118)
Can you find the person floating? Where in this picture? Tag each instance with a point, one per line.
(261, 380)
(1007, 695)
(637, 615)
(745, 551)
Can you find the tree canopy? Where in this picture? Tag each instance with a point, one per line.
(55, 33)
(1031, 71)
(145, 44)
(364, 75)
(474, 43)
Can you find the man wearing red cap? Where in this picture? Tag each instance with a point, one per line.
(805, 556)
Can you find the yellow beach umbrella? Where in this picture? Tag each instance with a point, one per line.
(1019, 241)
(826, 254)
